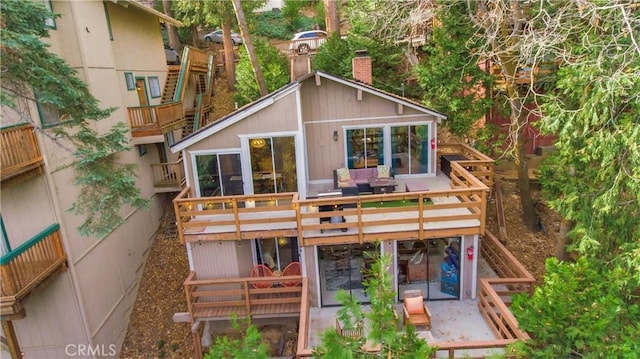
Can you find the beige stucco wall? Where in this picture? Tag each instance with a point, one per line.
(94, 298)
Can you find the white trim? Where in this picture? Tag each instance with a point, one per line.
(192, 266)
(194, 168)
(463, 264)
(301, 161)
(381, 94)
(317, 270)
(395, 271)
(346, 119)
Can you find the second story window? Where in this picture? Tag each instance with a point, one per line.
(49, 115)
(50, 22)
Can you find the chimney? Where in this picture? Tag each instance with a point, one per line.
(361, 65)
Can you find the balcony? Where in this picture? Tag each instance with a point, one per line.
(450, 207)
(20, 152)
(155, 120)
(28, 266)
(482, 327)
(168, 177)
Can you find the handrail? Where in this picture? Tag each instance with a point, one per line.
(28, 264)
(477, 163)
(19, 149)
(241, 294)
(178, 95)
(155, 117)
(168, 174)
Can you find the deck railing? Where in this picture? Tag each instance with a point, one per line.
(427, 214)
(155, 120)
(32, 262)
(237, 214)
(19, 150)
(168, 174)
(244, 297)
(477, 164)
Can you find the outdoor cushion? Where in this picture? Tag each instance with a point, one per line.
(383, 171)
(343, 174)
(414, 305)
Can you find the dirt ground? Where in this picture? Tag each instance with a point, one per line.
(152, 332)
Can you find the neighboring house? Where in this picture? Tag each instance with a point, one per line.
(62, 292)
(264, 191)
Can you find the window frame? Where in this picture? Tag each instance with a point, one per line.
(130, 81)
(50, 23)
(154, 87)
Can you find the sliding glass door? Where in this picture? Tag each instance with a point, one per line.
(273, 164)
(432, 266)
(277, 253)
(218, 174)
(365, 147)
(344, 267)
(410, 149)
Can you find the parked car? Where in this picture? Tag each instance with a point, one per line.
(216, 36)
(173, 58)
(303, 42)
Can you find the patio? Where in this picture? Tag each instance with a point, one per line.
(452, 321)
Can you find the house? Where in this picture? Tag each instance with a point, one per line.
(263, 191)
(62, 292)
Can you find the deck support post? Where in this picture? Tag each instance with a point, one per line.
(12, 339)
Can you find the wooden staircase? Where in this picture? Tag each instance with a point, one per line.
(171, 83)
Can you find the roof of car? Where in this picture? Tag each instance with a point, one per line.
(308, 32)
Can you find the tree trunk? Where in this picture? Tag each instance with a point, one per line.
(331, 16)
(229, 55)
(563, 240)
(519, 116)
(244, 31)
(172, 32)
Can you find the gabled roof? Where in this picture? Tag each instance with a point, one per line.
(270, 99)
(163, 18)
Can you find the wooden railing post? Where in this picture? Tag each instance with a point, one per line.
(247, 300)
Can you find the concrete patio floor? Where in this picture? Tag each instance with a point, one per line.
(452, 321)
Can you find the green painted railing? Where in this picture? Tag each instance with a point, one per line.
(31, 262)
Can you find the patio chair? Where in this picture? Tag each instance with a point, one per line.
(415, 311)
(292, 268)
(261, 270)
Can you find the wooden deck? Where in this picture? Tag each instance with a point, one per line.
(459, 210)
(493, 306)
(20, 151)
(219, 299)
(26, 267)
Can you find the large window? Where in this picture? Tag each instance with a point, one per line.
(365, 147)
(277, 253)
(219, 174)
(273, 164)
(410, 149)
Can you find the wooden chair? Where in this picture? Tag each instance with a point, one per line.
(415, 311)
(261, 270)
(354, 333)
(292, 268)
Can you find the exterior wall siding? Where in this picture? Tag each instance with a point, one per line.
(333, 107)
(95, 306)
(276, 118)
(53, 321)
(223, 259)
